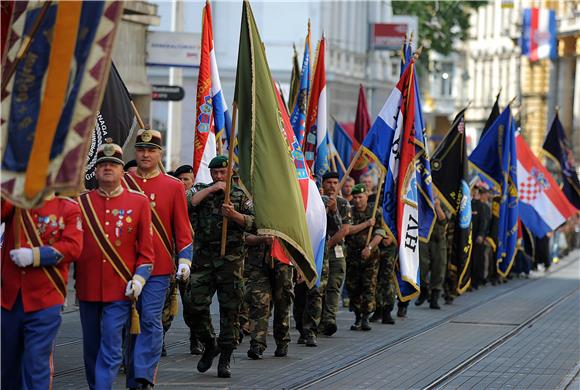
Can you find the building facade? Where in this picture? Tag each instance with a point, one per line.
(282, 25)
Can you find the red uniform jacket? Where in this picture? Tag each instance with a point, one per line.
(59, 225)
(167, 197)
(126, 220)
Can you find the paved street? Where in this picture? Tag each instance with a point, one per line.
(522, 334)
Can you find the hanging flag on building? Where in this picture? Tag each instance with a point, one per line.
(46, 131)
(212, 120)
(449, 166)
(391, 143)
(557, 148)
(115, 120)
(543, 206)
(495, 158)
(316, 139)
(298, 117)
(264, 167)
(539, 39)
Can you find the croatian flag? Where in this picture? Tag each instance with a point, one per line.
(543, 207)
(313, 205)
(539, 34)
(211, 113)
(316, 142)
(391, 142)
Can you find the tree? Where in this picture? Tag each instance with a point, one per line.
(441, 23)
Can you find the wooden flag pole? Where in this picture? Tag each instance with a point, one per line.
(350, 167)
(229, 179)
(26, 43)
(17, 227)
(340, 162)
(332, 162)
(219, 143)
(376, 205)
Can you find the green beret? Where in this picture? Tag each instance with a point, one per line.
(359, 189)
(218, 162)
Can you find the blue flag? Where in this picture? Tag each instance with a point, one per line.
(495, 158)
(298, 117)
(342, 144)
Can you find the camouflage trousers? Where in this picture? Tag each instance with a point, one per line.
(267, 287)
(244, 325)
(211, 274)
(336, 274)
(385, 296)
(166, 315)
(361, 280)
(308, 304)
(433, 263)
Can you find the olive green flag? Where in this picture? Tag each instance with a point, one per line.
(266, 166)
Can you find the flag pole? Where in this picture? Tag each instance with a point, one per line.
(27, 42)
(17, 227)
(340, 162)
(229, 178)
(332, 162)
(376, 205)
(219, 144)
(350, 167)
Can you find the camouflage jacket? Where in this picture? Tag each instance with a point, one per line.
(343, 216)
(358, 241)
(206, 219)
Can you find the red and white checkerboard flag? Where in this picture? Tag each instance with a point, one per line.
(543, 207)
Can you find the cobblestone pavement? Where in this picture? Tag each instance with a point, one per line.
(412, 353)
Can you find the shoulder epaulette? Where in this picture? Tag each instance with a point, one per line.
(69, 198)
(173, 178)
(137, 192)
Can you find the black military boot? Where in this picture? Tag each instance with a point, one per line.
(211, 350)
(311, 340)
(387, 319)
(402, 309)
(281, 350)
(224, 370)
(423, 296)
(364, 322)
(376, 315)
(255, 352)
(433, 301)
(356, 325)
(195, 346)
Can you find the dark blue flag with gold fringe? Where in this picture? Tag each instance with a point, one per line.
(558, 149)
(495, 158)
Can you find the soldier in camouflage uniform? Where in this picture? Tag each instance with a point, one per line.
(433, 261)
(307, 309)
(385, 296)
(269, 285)
(213, 273)
(362, 259)
(338, 220)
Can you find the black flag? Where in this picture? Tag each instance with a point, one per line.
(449, 169)
(492, 116)
(558, 149)
(116, 120)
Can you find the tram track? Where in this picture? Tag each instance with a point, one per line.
(441, 380)
(474, 359)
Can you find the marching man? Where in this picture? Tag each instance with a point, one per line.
(34, 284)
(171, 235)
(116, 263)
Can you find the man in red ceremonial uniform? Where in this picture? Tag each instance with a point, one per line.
(171, 238)
(34, 283)
(116, 262)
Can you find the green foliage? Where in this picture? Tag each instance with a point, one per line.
(441, 23)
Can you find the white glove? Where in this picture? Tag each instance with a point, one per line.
(22, 257)
(134, 288)
(183, 272)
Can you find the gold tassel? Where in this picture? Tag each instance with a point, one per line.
(135, 321)
(174, 308)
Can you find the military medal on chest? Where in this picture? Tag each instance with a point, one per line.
(152, 197)
(119, 226)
